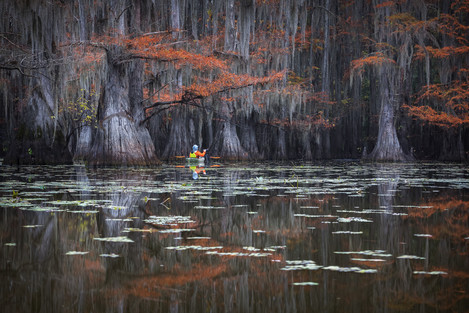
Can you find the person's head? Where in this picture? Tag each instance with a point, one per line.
(195, 148)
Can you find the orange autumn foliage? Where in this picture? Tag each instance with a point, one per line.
(376, 59)
(385, 4)
(159, 47)
(443, 105)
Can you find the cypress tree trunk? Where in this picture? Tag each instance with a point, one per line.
(227, 144)
(387, 147)
(453, 147)
(230, 31)
(120, 140)
(179, 139)
(38, 140)
(248, 137)
(326, 75)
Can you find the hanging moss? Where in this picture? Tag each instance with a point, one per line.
(314, 41)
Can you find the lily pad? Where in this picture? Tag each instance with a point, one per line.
(347, 232)
(77, 252)
(410, 257)
(200, 207)
(141, 230)
(306, 283)
(168, 220)
(32, 226)
(175, 230)
(350, 269)
(115, 239)
(429, 273)
(111, 255)
(297, 265)
(423, 235)
(353, 219)
(367, 260)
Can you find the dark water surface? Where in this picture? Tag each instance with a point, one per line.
(329, 237)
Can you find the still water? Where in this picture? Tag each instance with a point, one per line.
(328, 237)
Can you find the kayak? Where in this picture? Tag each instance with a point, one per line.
(195, 160)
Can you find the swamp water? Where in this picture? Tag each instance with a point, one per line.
(328, 237)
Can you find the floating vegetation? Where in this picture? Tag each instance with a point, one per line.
(233, 220)
(353, 219)
(209, 207)
(368, 211)
(306, 283)
(297, 265)
(199, 248)
(136, 230)
(251, 249)
(273, 248)
(168, 220)
(423, 235)
(372, 253)
(77, 252)
(429, 273)
(367, 260)
(122, 239)
(119, 220)
(73, 202)
(347, 232)
(42, 209)
(315, 216)
(350, 270)
(16, 202)
(83, 211)
(116, 207)
(175, 230)
(410, 257)
(112, 255)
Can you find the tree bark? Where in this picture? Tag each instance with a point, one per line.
(227, 143)
(38, 140)
(230, 31)
(178, 141)
(120, 140)
(387, 147)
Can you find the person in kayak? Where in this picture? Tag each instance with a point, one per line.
(196, 153)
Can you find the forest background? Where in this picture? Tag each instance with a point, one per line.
(113, 82)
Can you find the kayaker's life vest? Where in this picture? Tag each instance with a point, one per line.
(192, 155)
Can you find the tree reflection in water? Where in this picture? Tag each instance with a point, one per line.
(251, 238)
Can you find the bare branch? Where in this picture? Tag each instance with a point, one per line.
(119, 16)
(164, 86)
(14, 44)
(188, 98)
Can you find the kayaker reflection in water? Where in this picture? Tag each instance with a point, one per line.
(196, 170)
(196, 153)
